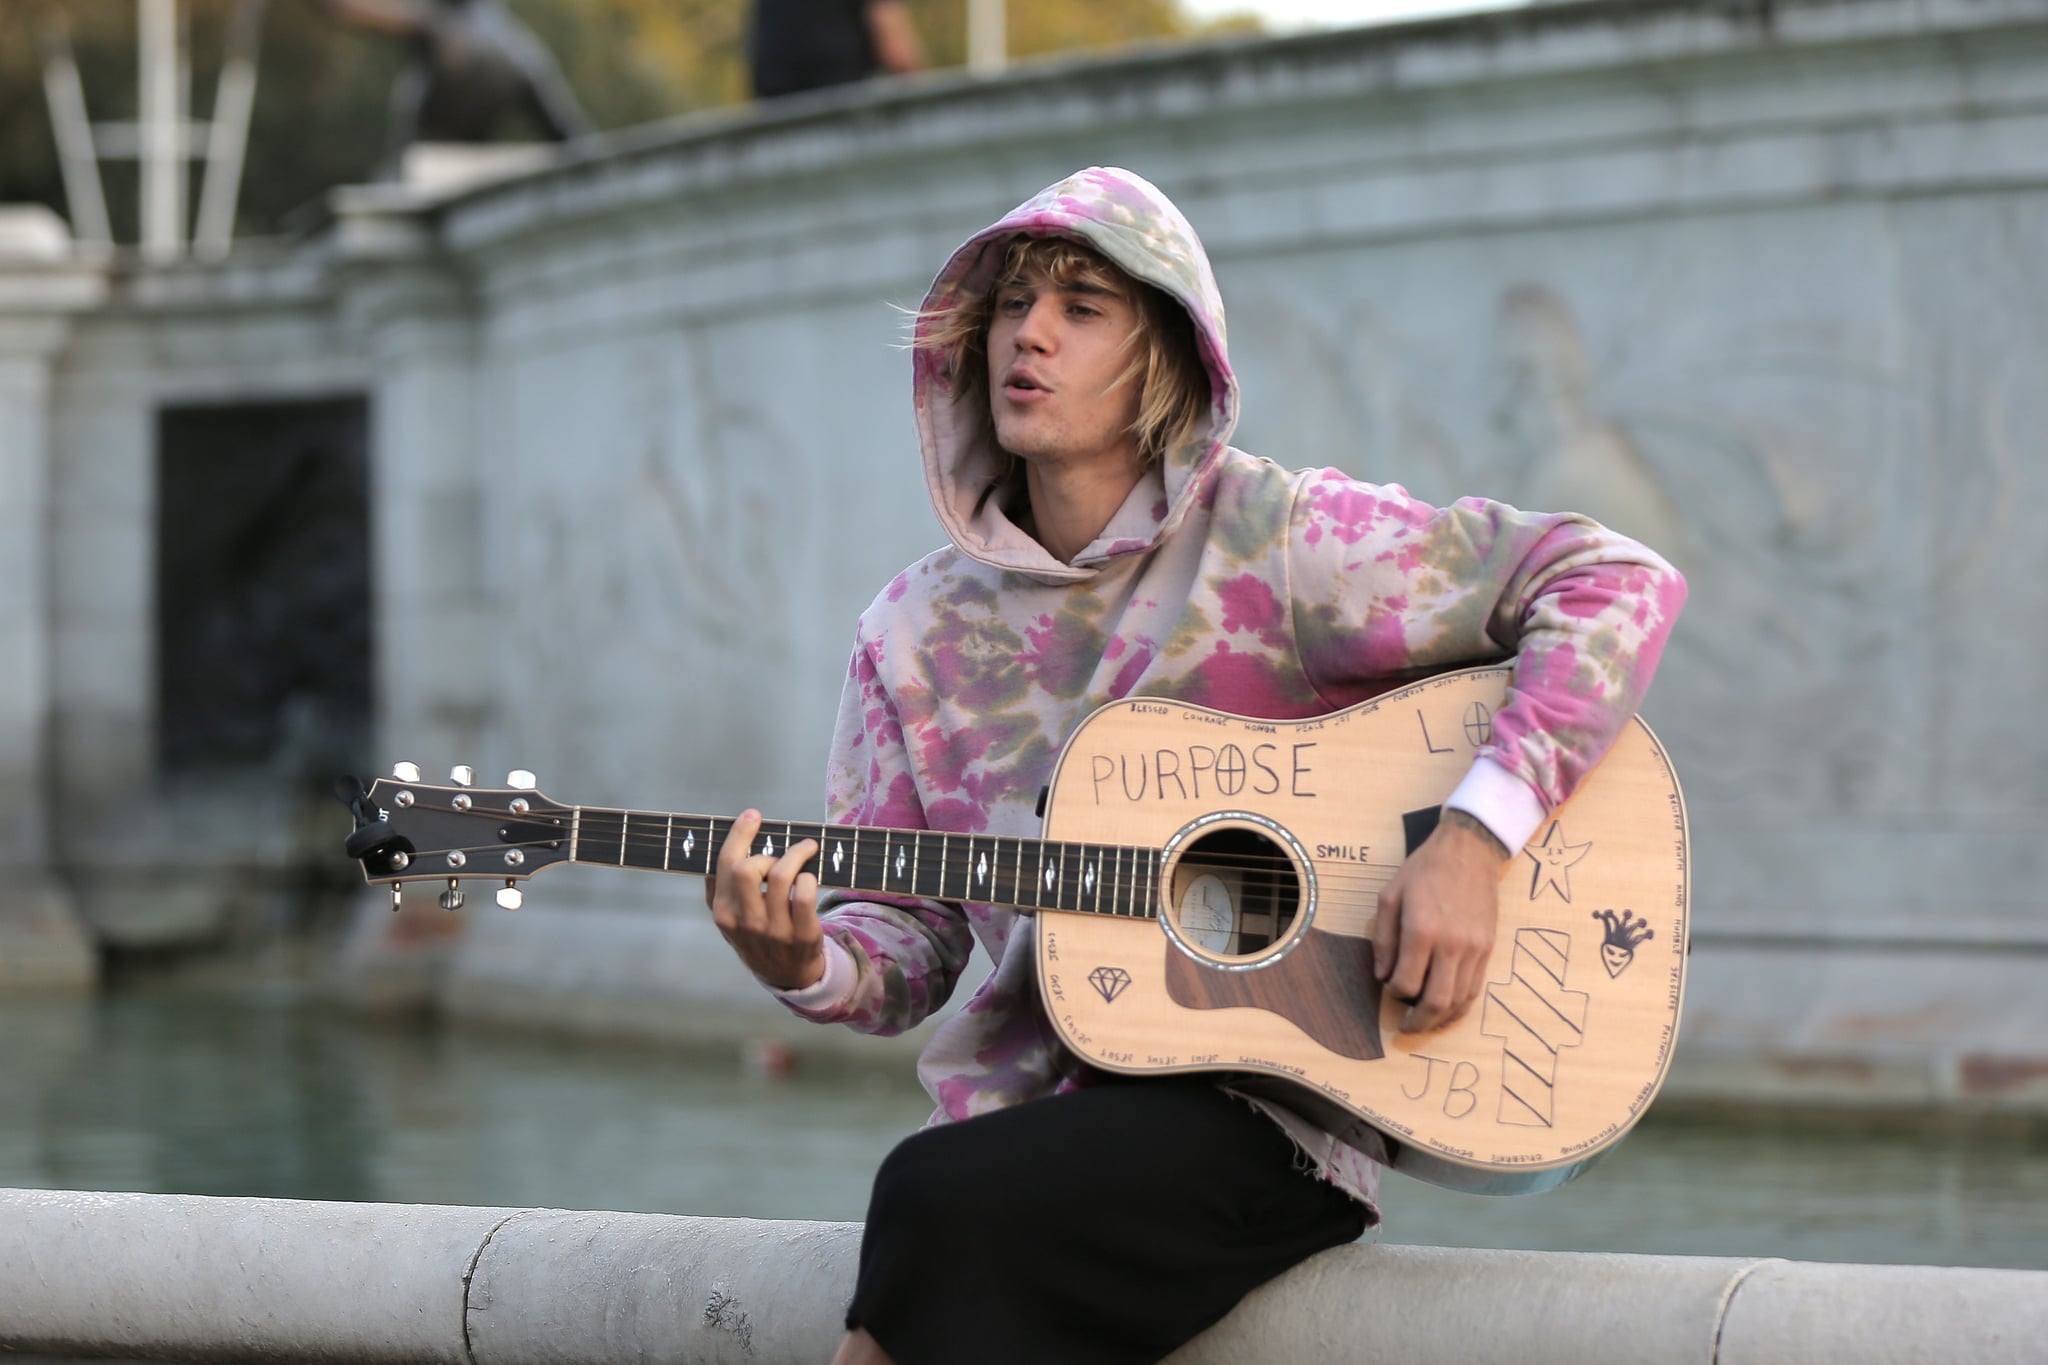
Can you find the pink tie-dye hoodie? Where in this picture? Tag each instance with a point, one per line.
(1223, 579)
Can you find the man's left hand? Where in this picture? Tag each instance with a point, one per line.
(1437, 920)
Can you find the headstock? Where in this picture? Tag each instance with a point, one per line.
(409, 831)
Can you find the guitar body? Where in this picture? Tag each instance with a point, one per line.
(1280, 836)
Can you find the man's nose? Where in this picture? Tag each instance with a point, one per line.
(1035, 331)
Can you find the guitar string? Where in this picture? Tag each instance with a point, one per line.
(1331, 914)
(1113, 884)
(1247, 861)
(1250, 861)
(1334, 915)
(1276, 868)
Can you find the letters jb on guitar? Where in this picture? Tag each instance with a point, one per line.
(1208, 886)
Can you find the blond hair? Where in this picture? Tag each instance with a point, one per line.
(1173, 383)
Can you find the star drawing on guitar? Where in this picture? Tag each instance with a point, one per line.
(1554, 859)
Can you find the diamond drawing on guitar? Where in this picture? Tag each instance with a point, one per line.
(1109, 982)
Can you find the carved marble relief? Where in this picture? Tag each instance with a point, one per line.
(674, 561)
(1782, 461)
(715, 501)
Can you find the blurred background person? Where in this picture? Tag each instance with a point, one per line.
(475, 70)
(806, 44)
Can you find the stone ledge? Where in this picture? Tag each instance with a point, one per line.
(177, 1277)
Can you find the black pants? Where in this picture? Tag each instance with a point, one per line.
(1102, 1227)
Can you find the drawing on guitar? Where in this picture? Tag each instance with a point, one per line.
(1207, 888)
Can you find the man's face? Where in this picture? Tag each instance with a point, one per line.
(1053, 354)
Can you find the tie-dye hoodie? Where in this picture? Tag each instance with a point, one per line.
(1224, 580)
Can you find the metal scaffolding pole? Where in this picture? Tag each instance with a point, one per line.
(161, 133)
(228, 134)
(76, 157)
(987, 42)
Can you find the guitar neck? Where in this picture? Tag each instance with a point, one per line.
(1032, 874)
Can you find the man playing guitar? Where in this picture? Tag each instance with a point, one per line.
(1074, 401)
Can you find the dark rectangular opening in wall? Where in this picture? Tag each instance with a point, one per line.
(263, 586)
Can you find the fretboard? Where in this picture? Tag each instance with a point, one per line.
(1037, 874)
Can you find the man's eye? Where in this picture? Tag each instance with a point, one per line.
(1015, 303)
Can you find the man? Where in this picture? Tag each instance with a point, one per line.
(474, 70)
(1073, 400)
(807, 44)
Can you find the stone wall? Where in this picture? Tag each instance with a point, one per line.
(1761, 285)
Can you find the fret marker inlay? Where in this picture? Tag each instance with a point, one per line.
(899, 860)
(981, 869)
(690, 844)
(838, 855)
(1052, 876)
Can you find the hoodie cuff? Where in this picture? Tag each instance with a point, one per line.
(1499, 800)
(829, 989)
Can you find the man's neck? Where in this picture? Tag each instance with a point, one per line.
(1070, 505)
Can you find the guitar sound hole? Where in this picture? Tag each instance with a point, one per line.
(1235, 893)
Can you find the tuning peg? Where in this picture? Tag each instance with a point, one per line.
(462, 775)
(452, 898)
(510, 897)
(520, 780)
(406, 772)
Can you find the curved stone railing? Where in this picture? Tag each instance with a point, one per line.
(178, 1277)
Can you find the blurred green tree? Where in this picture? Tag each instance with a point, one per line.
(323, 87)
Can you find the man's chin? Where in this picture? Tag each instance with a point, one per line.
(1026, 444)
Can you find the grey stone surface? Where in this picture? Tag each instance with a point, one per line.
(186, 1278)
(189, 1278)
(43, 945)
(652, 1287)
(1363, 1305)
(1821, 1314)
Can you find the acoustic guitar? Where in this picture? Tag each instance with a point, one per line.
(1206, 890)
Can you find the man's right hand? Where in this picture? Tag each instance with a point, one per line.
(767, 907)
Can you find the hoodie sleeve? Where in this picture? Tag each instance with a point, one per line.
(1383, 584)
(889, 960)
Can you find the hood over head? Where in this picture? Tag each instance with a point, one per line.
(1134, 226)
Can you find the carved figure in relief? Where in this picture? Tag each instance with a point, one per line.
(708, 496)
(672, 552)
(1777, 457)
(1566, 453)
(1793, 438)
(1074, 399)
